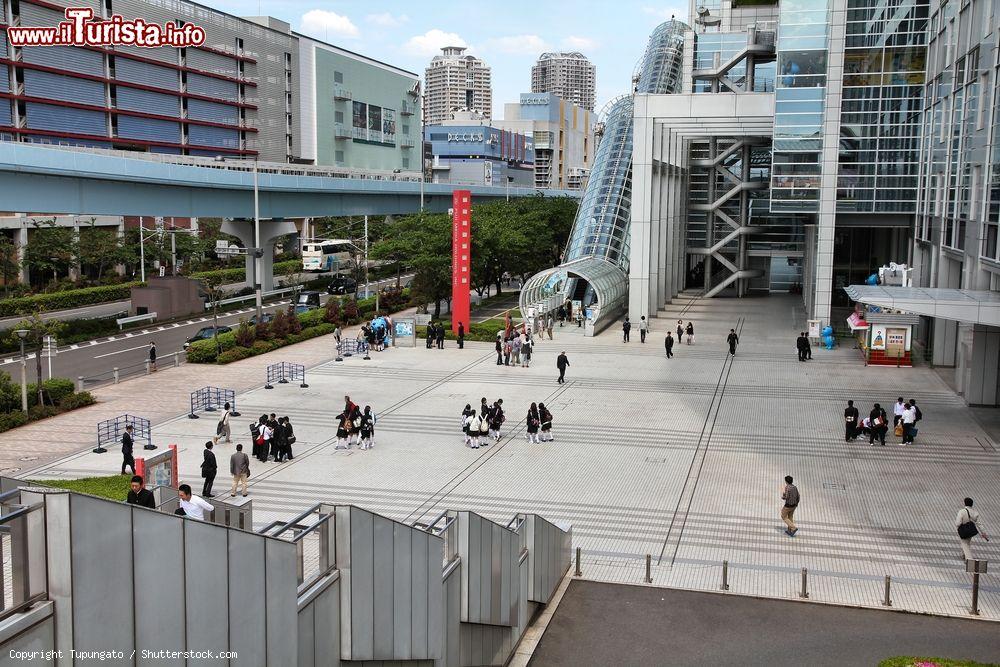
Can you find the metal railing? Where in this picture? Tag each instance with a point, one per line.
(122, 321)
(444, 526)
(24, 578)
(247, 297)
(114, 375)
(314, 534)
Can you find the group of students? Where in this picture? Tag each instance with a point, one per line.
(481, 426)
(435, 335)
(273, 438)
(906, 414)
(514, 349)
(355, 426)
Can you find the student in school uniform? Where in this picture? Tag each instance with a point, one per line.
(546, 418)
(343, 430)
(470, 421)
(367, 427)
(484, 429)
(533, 423)
(497, 418)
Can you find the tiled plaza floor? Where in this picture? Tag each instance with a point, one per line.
(681, 459)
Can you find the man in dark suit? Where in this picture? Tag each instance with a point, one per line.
(208, 469)
(562, 363)
(139, 495)
(127, 442)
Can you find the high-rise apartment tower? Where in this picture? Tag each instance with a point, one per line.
(569, 75)
(455, 81)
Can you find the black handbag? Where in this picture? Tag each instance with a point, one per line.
(968, 530)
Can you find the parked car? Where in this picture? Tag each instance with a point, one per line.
(264, 317)
(342, 285)
(206, 333)
(309, 299)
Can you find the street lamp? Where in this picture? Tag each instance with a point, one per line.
(22, 334)
(257, 252)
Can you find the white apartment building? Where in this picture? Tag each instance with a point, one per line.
(563, 135)
(571, 76)
(455, 81)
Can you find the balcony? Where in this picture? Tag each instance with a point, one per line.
(341, 131)
(406, 142)
(407, 108)
(342, 93)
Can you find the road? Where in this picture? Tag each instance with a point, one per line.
(129, 351)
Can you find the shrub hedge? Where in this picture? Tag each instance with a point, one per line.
(66, 402)
(87, 296)
(236, 275)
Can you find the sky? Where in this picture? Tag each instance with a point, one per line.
(508, 34)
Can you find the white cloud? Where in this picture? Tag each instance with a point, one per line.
(431, 42)
(387, 20)
(666, 13)
(526, 45)
(322, 24)
(577, 43)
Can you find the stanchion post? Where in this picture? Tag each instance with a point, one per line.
(725, 575)
(887, 601)
(649, 574)
(147, 366)
(115, 370)
(177, 359)
(79, 383)
(804, 593)
(578, 572)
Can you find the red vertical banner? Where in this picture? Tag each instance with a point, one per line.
(461, 257)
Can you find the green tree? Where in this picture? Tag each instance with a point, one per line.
(100, 248)
(50, 249)
(9, 264)
(425, 240)
(38, 329)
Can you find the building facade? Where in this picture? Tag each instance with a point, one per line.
(455, 81)
(563, 136)
(571, 76)
(465, 152)
(356, 111)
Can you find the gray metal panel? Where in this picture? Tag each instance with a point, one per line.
(326, 627)
(212, 87)
(475, 564)
(207, 61)
(147, 74)
(150, 129)
(402, 601)
(343, 562)
(453, 616)
(68, 58)
(66, 119)
(158, 557)
(247, 611)
(382, 589)
(213, 111)
(35, 15)
(507, 614)
(47, 85)
(206, 582)
(307, 636)
(420, 542)
(101, 534)
(204, 135)
(38, 640)
(500, 554)
(282, 600)
(362, 585)
(435, 606)
(485, 570)
(59, 566)
(136, 99)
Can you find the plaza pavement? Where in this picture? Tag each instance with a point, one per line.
(681, 459)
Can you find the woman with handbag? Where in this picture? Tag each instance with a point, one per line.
(533, 423)
(690, 332)
(367, 427)
(967, 524)
(343, 430)
(546, 417)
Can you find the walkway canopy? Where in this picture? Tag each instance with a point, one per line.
(554, 286)
(973, 306)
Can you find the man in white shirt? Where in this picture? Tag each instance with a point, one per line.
(968, 515)
(897, 411)
(193, 506)
(909, 420)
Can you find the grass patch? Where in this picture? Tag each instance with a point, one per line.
(914, 661)
(112, 487)
(485, 332)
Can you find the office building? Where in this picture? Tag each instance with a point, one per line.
(455, 81)
(468, 150)
(571, 76)
(357, 112)
(563, 136)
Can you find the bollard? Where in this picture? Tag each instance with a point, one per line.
(725, 575)
(649, 576)
(804, 593)
(177, 359)
(975, 590)
(147, 366)
(579, 572)
(887, 601)
(115, 369)
(79, 383)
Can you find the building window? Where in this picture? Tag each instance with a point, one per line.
(338, 157)
(338, 116)
(338, 77)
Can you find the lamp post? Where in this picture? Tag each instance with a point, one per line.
(22, 334)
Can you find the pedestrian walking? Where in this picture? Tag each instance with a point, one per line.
(680, 330)
(643, 329)
(879, 425)
(850, 422)
(533, 424)
(208, 469)
(668, 343)
(223, 428)
(908, 421)
(967, 523)
(440, 336)
(626, 327)
(367, 428)
(127, 443)
(733, 339)
(139, 495)
(690, 332)
(499, 347)
(526, 352)
(800, 345)
(549, 324)
(562, 363)
(562, 315)
(259, 445)
(194, 507)
(809, 347)
(516, 350)
(461, 336)
(546, 417)
(152, 356)
(789, 494)
(337, 334)
(239, 468)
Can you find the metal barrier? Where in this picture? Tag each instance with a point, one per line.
(122, 321)
(284, 372)
(351, 346)
(23, 546)
(210, 399)
(111, 430)
(239, 299)
(116, 374)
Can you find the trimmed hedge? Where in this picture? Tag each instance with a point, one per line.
(26, 305)
(236, 275)
(71, 401)
(484, 332)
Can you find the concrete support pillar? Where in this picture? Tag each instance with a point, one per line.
(21, 240)
(75, 270)
(120, 268)
(639, 301)
(980, 364)
(269, 232)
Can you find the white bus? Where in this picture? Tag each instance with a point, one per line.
(327, 255)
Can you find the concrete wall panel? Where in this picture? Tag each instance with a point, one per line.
(403, 602)
(419, 542)
(158, 570)
(281, 600)
(248, 634)
(382, 583)
(206, 583)
(362, 585)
